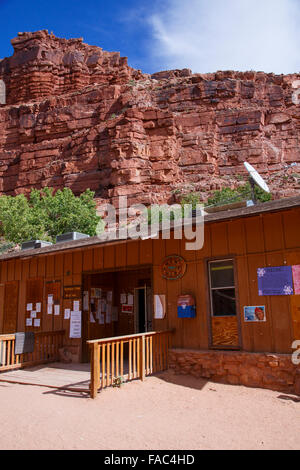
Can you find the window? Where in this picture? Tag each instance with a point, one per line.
(222, 288)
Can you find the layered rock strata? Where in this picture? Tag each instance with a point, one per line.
(79, 117)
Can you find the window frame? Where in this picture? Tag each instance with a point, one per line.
(210, 262)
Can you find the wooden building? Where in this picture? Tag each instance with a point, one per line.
(116, 285)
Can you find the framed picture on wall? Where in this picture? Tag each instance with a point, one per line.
(255, 314)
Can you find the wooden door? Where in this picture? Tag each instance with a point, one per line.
(223, 305)
(11, 291)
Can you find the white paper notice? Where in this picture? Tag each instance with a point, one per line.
(33, 314)
(67, 314)
(50, 299)
(56, 309)
(38, 307)
(28, 321)
(109, 296)
(123, 299)
(98, 293)
(159, 307)
(130, 299)
(75, 325)
(76, 306)
(37, 322)
(49, 309)
(29, 307)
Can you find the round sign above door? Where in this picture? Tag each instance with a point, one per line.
(173, 267)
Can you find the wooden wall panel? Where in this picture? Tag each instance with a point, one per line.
(51, 321)
(33, 268)
(279, 311)
(34, 294)
(187, 255)
(58, 265)
(18, 270)
(159, 251)
(41, 266)
(291, 228)
(77, 262)
(50, 266)
(262, 332)
(68, 269)
(293, 258)
(202, 303)
(273, 232)
(109, 257)
(4, 271)
(133, 253)
(25, 269)
(219, 239)
(244, 301)
(206, 251)
(88, 260)
(236, 237)
(11, 270)
(191, 326)
(21, 305)
(98, 258)
(68, 264)
(173, 291)
(10, 311)
(145, 249)
(254, 235)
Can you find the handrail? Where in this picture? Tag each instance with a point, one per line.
(46, 346)
(39, 333)
(128, 337)
(112, 363)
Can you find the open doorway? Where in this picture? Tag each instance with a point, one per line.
(143, 309)
(116, 303)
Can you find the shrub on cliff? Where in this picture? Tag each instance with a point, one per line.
(242, 193)
(46, 214)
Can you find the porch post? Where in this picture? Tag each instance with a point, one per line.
(95, 369)
(142, 358)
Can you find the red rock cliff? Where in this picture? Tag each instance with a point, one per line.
(80, 117)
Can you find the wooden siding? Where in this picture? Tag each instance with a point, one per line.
(271, 239)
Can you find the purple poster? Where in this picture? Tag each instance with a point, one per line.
(275, 281)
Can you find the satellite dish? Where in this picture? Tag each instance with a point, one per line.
(255, 178)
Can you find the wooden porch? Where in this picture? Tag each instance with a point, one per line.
(113, 361)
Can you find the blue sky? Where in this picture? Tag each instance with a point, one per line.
(204, 35)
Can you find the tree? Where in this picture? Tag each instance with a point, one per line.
(46, 214)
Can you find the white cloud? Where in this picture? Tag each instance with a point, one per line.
(211, 35)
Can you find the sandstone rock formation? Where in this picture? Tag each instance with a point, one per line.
(80, 117)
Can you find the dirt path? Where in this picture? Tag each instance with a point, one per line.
(165, 412)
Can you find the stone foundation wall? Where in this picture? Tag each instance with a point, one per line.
(261, 370)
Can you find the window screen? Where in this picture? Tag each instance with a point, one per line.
(222, 288)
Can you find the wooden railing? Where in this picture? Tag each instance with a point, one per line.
(125, 358)
(46, 349)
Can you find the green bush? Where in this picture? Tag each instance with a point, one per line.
(242, 193)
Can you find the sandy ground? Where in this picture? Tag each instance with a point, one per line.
(165, 412)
